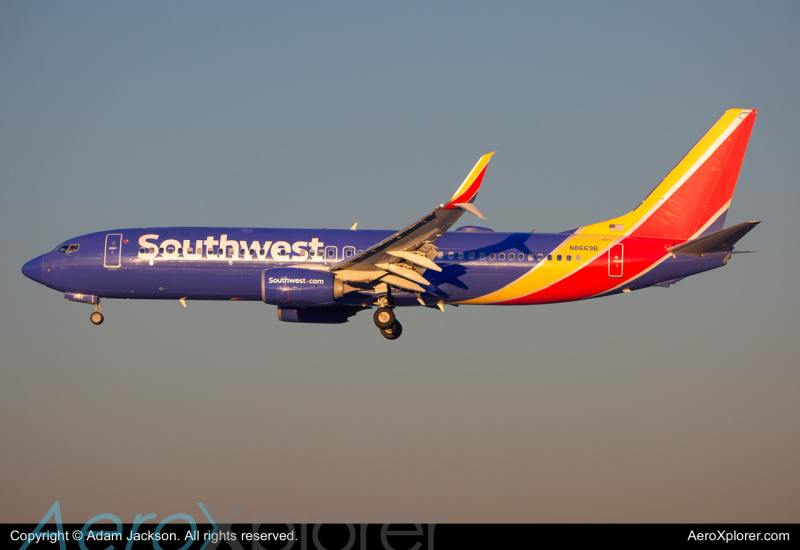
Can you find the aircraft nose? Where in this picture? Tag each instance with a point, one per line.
(33, 269)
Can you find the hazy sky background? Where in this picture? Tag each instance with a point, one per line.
(676, 404)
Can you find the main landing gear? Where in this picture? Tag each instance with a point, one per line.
(386, 321)
(384, 317)
(97, 317)
(394, 332)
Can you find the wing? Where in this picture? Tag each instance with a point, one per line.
(401, 259)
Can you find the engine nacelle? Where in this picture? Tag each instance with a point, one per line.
(292, 286)
(329, 315)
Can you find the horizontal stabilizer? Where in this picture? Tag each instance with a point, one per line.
(667, 284)
(719, 241)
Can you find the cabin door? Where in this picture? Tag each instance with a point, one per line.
(615, 260)
(113, 253)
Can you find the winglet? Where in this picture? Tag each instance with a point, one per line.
(469, 207)
(466, 193)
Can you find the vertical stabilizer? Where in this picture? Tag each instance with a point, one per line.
(695, 196)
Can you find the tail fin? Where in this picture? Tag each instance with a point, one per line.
(695, 196)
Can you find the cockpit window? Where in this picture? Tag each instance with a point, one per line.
(67, 248)
(73, 248)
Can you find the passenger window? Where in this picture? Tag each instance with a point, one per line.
(502, 255)
(559, 257)
(141, 251)
(550, 257)
(190, 250)
(348, 253)
(450, 255)
(471, 255)
(180, 251)
(530, 257)
(161, 250)
(578, 258)
(330, 253)
(511, 256)
(460, 255)
(483, 255)
(491, 256)
(540, 257)
(569, 257)
(440, 255)
(359, 252)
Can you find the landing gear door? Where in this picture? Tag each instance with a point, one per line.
(615, 260)
(113, 252)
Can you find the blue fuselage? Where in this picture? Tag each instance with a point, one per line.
(200, 263)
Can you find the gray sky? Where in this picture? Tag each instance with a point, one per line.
(661, 405)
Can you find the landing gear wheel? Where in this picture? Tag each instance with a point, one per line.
(384, 318)
(96, 318)
(394, 332)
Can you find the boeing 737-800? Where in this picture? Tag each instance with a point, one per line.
(327, 275)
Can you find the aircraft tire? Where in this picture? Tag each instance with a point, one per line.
(394, 332)
(96, 318)
(384, 318)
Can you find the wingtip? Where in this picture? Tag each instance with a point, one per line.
(469, 207)
(469, 188)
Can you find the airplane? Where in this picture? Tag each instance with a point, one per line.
(329, 275)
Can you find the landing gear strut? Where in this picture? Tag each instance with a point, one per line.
(384, 318)
(97, 316)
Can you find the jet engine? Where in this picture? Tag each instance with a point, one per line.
(292, 286)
